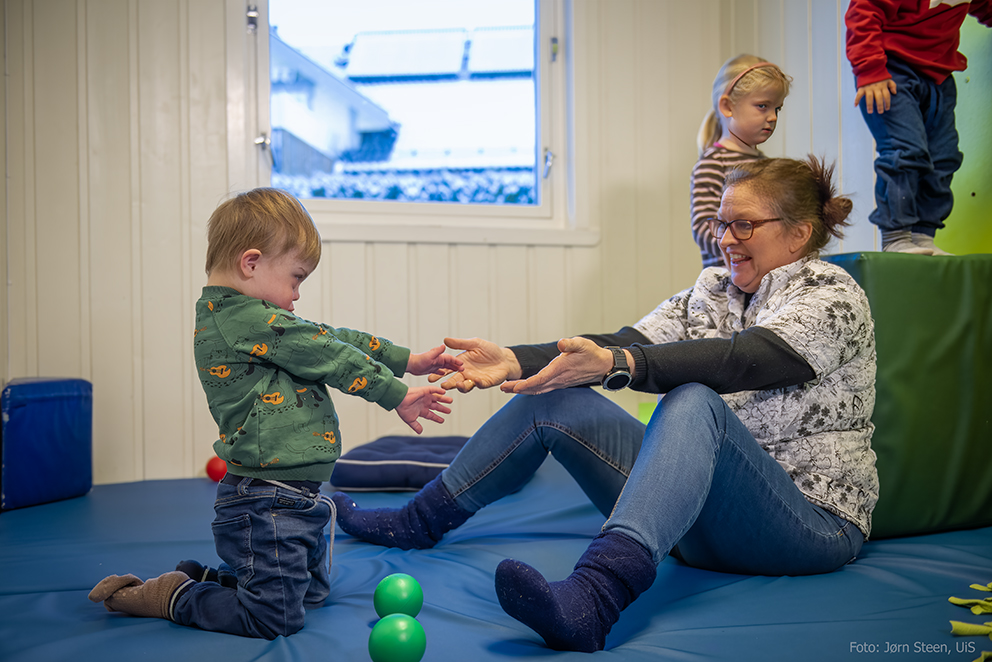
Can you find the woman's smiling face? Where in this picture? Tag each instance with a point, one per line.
(772, 245)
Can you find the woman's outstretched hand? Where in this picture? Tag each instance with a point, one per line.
(423, 402)
(581, 362)
(484, 364)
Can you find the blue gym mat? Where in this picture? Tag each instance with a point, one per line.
(892, 599)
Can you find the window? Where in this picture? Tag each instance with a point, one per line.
(405, 116)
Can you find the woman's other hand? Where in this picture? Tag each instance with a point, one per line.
(581, 362)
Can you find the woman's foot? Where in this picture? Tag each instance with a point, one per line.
(577, 613)
(420, 524)
(564, 613)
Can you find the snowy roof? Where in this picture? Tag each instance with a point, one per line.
(407, 53)
(287, 66)
(446, 113)
(501, 50)
(391, 56)
(460, 124)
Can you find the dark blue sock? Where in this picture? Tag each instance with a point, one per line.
(420, 524)
(201, 573)
(197, 571)
(577, 613)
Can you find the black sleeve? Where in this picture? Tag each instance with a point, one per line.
(533, 358)
(752, 360)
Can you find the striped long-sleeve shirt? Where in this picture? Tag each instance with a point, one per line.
(707, 186)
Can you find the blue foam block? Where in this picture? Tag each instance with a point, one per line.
(46, 441)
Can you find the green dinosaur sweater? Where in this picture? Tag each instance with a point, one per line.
(264, 372)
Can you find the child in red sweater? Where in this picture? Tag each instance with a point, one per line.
(903, 53)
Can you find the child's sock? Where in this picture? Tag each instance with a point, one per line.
(197, 571)
(901, 241)
(926, 241)
(201, 573)
(420, 524)
(154, 598)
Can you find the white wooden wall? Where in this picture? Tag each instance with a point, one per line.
(127, 123)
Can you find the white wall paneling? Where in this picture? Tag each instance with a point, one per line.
(4, 144)
(128, 121)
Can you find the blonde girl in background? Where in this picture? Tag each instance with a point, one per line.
(748, 94)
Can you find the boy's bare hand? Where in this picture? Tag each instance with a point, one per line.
(484, 364)
(876, 95)
(423, 402)
(433, 362)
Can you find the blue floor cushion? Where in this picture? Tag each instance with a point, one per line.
(395, 464)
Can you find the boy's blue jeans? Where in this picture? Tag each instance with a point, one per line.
(917, 144)
(273, 540)
(694, 477)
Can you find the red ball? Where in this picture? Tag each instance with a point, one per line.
(216, 468)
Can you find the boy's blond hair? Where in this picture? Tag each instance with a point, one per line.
(267, 219)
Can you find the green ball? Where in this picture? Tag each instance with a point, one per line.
(397, 638)
(398, 594)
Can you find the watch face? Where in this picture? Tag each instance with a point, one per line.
(616, 381)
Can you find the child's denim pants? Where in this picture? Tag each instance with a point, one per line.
(918, 154)
(272, 538)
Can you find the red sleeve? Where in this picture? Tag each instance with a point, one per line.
(864, 20)
(982, 11)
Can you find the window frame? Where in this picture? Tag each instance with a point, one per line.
(551, 221)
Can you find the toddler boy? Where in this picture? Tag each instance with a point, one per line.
(264, 371)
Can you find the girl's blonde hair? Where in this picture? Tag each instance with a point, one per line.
(267, 219)
(797, 192)
(737, 77)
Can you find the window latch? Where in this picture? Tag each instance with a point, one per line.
(265, 144)
(252, 15)
(549, 159)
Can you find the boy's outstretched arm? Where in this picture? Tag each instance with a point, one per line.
(423, 402)
(433, 362)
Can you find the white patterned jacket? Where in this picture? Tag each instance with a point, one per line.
(819, 432)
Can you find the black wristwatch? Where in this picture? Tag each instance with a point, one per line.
(619, 377)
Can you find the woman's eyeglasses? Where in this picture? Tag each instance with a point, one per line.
(742, 230)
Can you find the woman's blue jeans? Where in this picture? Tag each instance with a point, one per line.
(918, 154)
(273, 540)
(694, 478)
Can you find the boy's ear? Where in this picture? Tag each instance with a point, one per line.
(249, 261)
(726, 106)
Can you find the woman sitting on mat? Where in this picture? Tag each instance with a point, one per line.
(757, 460)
